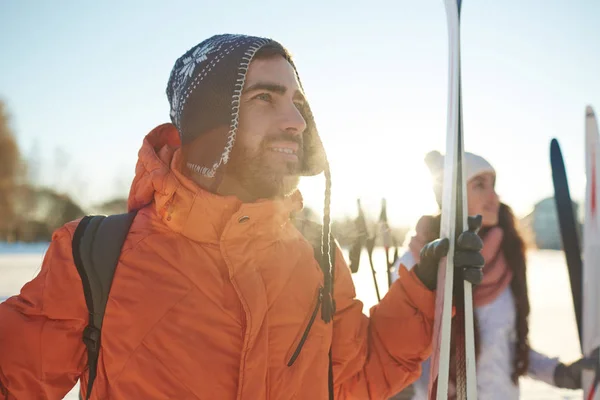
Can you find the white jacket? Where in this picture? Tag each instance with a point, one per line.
(497, 341)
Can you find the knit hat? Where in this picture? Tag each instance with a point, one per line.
(474, 166)
(204, 91)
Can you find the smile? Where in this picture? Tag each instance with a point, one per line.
(285, 150)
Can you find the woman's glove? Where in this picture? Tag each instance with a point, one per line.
(569, 376)
(467, 256)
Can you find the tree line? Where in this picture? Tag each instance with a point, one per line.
(31, 211)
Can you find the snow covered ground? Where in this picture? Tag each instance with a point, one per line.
(552, 323)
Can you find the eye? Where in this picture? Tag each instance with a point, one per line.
(264, 97)
(479, 185)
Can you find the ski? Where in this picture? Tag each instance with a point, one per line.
(591, 255)
(454, 222)
(568, 230)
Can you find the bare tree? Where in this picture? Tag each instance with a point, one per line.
(10, 172)
(34, 164)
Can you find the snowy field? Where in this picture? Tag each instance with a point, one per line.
(552, 324)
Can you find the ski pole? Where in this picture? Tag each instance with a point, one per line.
(370, 242)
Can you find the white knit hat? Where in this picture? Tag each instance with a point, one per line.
(474, 166)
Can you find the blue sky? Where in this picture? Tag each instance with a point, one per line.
(89, 78)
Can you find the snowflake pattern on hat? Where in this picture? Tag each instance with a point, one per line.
(185, 67)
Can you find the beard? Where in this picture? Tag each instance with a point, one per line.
(256, 171)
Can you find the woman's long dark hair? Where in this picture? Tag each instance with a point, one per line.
(513, 248)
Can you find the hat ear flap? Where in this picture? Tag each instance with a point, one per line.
(315, 158)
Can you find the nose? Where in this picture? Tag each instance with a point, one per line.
(292, 120)
(493, 197)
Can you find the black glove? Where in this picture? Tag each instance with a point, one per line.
(569, 376)
(467, 256)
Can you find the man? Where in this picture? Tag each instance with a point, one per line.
(217, 295)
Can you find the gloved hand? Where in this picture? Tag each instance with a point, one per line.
(569, 376)
(468, 260)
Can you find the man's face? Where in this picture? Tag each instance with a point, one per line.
(267, 154)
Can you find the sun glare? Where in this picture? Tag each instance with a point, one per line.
(407, 189)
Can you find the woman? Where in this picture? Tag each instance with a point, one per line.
(501, 300)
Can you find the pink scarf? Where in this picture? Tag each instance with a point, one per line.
(496, 273)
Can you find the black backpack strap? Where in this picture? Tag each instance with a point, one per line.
(97, 244)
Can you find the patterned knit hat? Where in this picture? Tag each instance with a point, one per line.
(204, 92)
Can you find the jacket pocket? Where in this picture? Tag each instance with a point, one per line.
(315, 311)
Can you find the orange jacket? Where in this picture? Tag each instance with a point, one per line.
(206, 304)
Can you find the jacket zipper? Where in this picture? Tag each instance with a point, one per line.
(307, 330)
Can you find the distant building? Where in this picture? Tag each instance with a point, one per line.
(543, 224)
